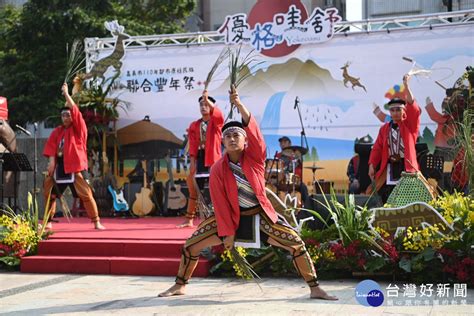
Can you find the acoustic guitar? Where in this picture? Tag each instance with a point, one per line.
(175, 198)
(143, 204)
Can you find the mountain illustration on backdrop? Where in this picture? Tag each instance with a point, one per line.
(295, 76)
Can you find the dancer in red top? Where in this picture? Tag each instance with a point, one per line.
(394, 149)
(204, 137)
(242, 209)
(66, 150)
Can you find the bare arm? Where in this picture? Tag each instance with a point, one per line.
(379, 114)
(192, 165)
(235, 100)
(410, 98)
(69, 101)
(51, 165)
(205, 98)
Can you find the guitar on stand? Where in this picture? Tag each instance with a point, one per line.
(119, 202)
(143, 204)
(175, 199)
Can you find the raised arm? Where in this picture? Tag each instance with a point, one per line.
(378, 113)
(413, 111)
(235, 100)
(410, 99)
(256, 143)
(69, 101)
(78, 122)
(434, 115)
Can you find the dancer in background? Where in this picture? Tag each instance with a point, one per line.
(204, 136)
(66, 149)
(445, 131)
(394, 149)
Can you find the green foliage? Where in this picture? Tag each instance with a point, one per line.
(350, 220)
(463, 140)
(240, 68)
(312, 155)
(33, 43)
(350, 245)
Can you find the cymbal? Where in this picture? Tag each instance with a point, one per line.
(314, 168)
(274, 170)
(294, 149)
(271, 159)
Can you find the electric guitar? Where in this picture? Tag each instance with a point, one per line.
(175, 198)
(143, 204)
(120, 204)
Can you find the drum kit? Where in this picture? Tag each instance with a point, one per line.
(280, 174)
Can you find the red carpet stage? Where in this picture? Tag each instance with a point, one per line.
(137, 246)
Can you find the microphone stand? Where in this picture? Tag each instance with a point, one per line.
(303, 133)
(267, 180)
(35, 167)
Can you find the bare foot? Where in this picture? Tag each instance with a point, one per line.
(98, 225)
(176, 289)
(186, 223)
(318, 293)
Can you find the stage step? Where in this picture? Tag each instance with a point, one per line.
(109, 256)
(108, 265)
(113, 247)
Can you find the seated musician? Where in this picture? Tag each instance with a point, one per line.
(292, 164)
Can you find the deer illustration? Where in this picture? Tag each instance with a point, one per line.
(349, 78)
(101, 66)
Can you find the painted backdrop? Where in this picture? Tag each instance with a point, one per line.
(165, 83)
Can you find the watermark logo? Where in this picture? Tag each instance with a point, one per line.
(369, 293)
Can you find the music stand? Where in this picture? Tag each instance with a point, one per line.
(14, 162)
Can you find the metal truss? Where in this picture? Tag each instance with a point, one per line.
(93, 46)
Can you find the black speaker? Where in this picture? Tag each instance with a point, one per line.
(363, 173)
(317, 203)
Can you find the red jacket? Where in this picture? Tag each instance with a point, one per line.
(409, 127)
(213, 137)
(223, 186)
(75, 143)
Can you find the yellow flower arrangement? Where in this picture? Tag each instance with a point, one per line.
(328, 255)
(226, 256)
(17, 238)
(418, 239)
(18, 232)
(313, 253)
(320, 254)
(383, 233)
(456, 207)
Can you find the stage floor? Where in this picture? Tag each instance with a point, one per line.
(145, 228)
